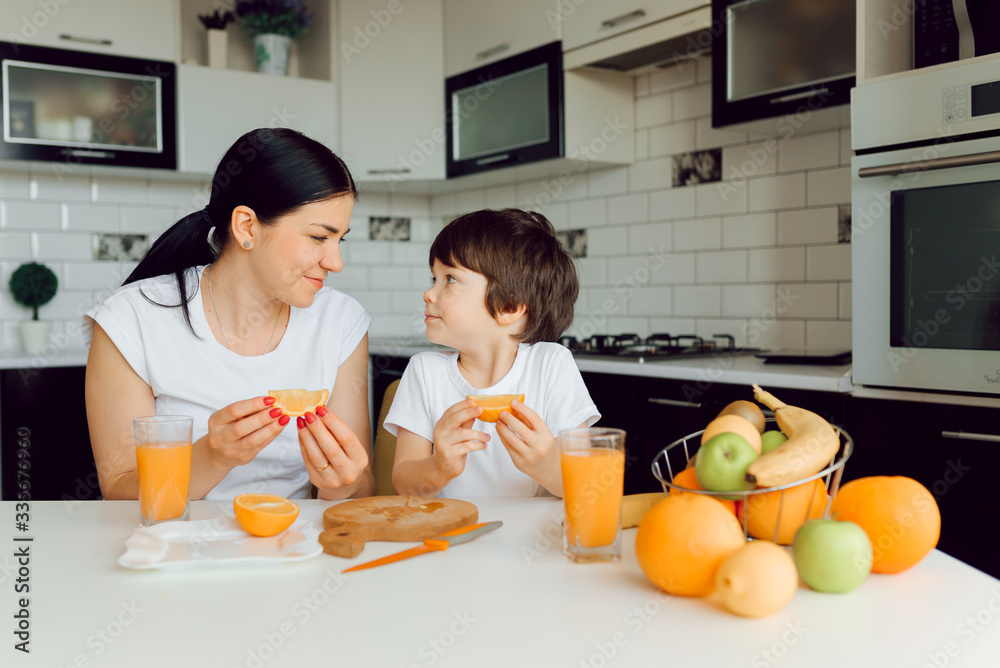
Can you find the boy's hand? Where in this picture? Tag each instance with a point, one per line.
(531, 446)
(454, 438)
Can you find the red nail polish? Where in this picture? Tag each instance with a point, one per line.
(321, 411)
(300, 422)
(269, 401)
(283, 420)
(310, 418)
(275, 412)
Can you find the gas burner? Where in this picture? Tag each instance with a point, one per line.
(655, 346)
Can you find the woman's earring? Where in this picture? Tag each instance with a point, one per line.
(247, 244)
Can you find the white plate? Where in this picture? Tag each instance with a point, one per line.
(216, 541)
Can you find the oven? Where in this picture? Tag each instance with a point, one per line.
(926, 230)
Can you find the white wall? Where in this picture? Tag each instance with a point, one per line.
(724, 259)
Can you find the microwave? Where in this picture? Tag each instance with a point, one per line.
(506, 113)
(925, 230)
(74, 107)
(949, 30)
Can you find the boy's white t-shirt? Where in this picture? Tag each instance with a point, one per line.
(552, 386)
(194, 374)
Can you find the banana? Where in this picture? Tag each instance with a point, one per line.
(635, 507)
(812, 443)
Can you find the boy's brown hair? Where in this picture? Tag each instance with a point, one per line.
(523, 262)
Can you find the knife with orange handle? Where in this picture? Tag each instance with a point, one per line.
(435, 544)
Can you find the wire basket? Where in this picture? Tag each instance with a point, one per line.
(677, 456)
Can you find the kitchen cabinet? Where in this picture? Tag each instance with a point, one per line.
(595, 20)
(216, 106)
(392, 90)
(44, 441)
(617, 400)
(477, 32)
(954, 451)
(115, 27)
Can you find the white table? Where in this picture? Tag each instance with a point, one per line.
(509, 598)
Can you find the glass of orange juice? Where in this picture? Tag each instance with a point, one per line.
(163, 456)
(593, 474)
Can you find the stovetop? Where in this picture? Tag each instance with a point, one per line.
(654, 347)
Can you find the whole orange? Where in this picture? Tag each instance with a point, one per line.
(682, 541)
(762, 511)
(688, 479)
(899, 515)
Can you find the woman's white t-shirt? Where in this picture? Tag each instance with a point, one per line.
(193, 374)
(544, 373)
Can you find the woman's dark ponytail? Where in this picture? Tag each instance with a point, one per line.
(274, 171)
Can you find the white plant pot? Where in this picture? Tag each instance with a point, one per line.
(34, 335)
(271, 54)
(218, 47)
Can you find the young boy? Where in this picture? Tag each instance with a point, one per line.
(503, 290)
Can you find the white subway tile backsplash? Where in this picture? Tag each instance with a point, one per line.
(740, 163)
(766, 332)
(693, 102)
(92, 217)
(828, 263)
(587, 213)
(756, 229)
(772, 193)
(704, 68)
(650, 175)
(152, 221)
(750, 301)
(673, 269)
(411, 253)
(14, 185)
(671, 204)
(95, 275)
(50, 187)
(501, 197)
(721, 198)
(828, 334)
(809, 152)
(828, 186)
(117, 190)
(397, 328)
(679, 75)
(649, 301)
(603, 182)
(809, 300)
(640, 85)
(626, 272)
(653, 110)
(407, 206)
(603, 241)
(777, 264)
(468, 201)
(641, 238)
(700, 234)
(14, 246)
(845, 305)
(62, 246)
(642, 144)
(628, 209)
(592, 271)
(807, 226)
(377, 204)
(19, 215)
(673, 326)
(388, 278)
(629, 325)
(709, 137)
(422, 229)
(697, 300)
(671, 139)
(846, 152)
(366, 253)
(558, 215)
(721, 267)
(406, 301)
(351, 277)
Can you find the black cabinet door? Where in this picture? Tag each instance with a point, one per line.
(617, 400)
(44, 441)
(954, 451)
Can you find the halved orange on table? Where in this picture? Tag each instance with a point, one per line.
(264, 514)
(296, 403)
(494, 404)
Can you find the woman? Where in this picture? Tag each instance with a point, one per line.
(228, 304)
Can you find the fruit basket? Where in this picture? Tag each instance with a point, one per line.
(769, 513)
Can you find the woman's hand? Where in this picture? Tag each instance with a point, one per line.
(454, 438)
(237, 432)
(333, 455)
(531, 446)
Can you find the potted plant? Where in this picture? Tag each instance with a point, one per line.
(218, 43)
(272, 25)
(33, 285)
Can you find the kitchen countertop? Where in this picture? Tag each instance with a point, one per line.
(720, 368)
(508, 598)
(18, 359)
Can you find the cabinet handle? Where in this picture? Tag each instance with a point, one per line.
(611, 23)
(970, 436)
(800, 96)
(401, 170)
(86, 40)
(927, 165)
(499, 48)
(674, 402)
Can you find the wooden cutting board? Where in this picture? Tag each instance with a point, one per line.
(349, 525)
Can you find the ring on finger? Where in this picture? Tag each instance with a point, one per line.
(323, 467)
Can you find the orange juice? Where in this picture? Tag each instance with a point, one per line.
(164, 476)
(593, 481)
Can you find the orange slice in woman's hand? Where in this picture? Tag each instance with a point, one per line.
(296, 403)
(264, 514)
(494, 404)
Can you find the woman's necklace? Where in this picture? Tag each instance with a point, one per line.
(219, 320)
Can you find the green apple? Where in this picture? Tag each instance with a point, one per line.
(832, 556)
(722, 463)
(769, 440)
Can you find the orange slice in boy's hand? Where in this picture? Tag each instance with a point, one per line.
(296, 403)
(264, 514)
(494, 404)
